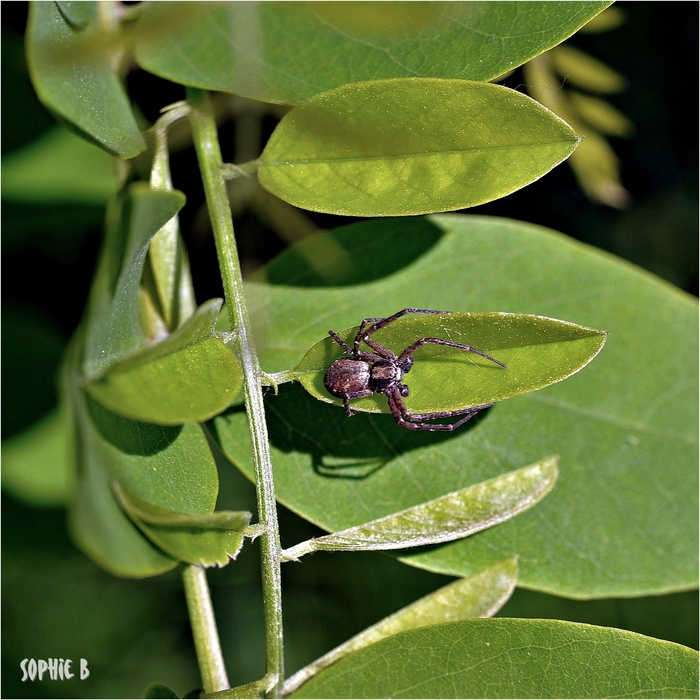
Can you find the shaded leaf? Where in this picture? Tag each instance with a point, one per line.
(113, 326)
(169, 266)
(411, 146)
(511, 658)
(482, 595)
(35, 464)
(72, 73)
(446, 518)
(189, 377)
(537, 352)
(203, 540)
(159, 691)
(617, 524)
(288, 52)
(59, 167)
(172, 468)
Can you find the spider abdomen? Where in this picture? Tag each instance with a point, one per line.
(348, 378)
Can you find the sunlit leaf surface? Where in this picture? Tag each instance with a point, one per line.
(537, 352)
(411, 146)
(512, 658)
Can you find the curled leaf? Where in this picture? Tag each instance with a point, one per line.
(204, 540)
(189, 377)
(447, 518)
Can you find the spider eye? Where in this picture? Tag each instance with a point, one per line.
(403, 389)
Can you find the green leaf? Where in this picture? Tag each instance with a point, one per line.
(601, 115)
(511, 658)
(594, 162)
(71, 68)
(288, 52)
(256, 689)
(482, 595)
(537, 352)
(35, 464)
(446, 518)
(189, 377)
(617, 524)
(113, 317)
(353, 150)
(172, 468)
(59, 167)
(586, 72)
(159, 691)
(203, 540)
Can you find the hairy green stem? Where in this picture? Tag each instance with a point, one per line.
(209, 156)
(206, 637)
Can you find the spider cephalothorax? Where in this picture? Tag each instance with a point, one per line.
(381, 371)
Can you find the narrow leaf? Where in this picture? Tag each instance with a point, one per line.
(537, 352)
(586, 72)
(601, 115)
(71, 68)
(113, 318)
(203, 540)
(512, 659)
(355, 149)
(481, 595)
(447, 518)
(189, 377)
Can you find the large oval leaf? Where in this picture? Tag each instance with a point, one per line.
(73, 76)
(411, 146)
(288, 52)
(511, 659)
(189, 377)
(618, 523)
(537, 352)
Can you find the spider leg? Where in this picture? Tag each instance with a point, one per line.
(376, 323)
(348, 411)
(341, 342)
(438, 341)
(412, 420)
(381, 322)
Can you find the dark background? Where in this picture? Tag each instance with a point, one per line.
(56, 603)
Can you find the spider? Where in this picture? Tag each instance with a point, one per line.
(381, 371)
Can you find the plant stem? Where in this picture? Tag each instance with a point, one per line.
(206, 637)
(209, 156)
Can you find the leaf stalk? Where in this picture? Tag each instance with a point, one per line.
(210, 162)
(206, 636)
